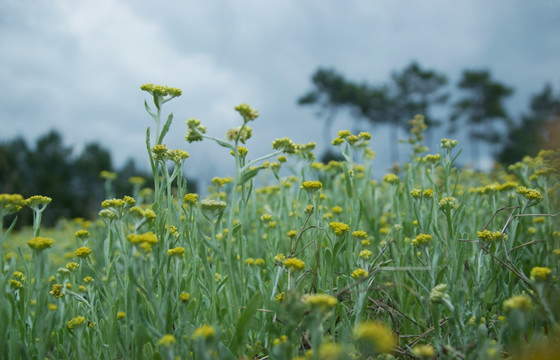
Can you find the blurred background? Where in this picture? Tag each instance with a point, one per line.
(484, 72)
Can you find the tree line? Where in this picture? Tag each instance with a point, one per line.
(73, 182)
(477, 108)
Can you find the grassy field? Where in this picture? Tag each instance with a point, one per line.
(322, 263)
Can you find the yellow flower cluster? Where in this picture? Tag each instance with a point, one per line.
(424, 351)
(255, 262)
(540, 273)
(279, 341)
(359, 273)
(247, 112)
(322, 302)
(10, 203)
(36, 200)
(204, 332)
(422, 239)
(56, 290)
(448, 144)
(365, 254)
(82, 234)
(161, 90)
(359, 234)
(490, 235)
(167, 340)
(530, 194)
(191, 198)
(107, 175)
(448, 202)
(144, 241)
(378, 338)
(520, 302)
(40, 243)
(72, 266)
(121, 315)
(311, 186)
(82, 252)
(391, 179)
(76, 322)
(178, 251)
(339, 228)
(184, 296)
(294, 264)
(285, 144)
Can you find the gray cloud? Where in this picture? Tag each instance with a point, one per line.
(77, 66)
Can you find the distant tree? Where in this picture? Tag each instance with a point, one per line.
(330, 93)
(538, 129)
(481, 108)
(412, 91)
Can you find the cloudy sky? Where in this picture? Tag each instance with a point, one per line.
(76, 66)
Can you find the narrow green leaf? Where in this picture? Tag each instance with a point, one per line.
(165, 128)
(241, 328)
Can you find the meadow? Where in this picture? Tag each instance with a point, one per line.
(320, 261)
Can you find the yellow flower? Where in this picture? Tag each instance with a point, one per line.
(359, 273)
(247, 112)
(294, 264)
(82, 234)
(88, 279)
(521, 302)
(416, 193)
(339, 228)
(178, 251)
(448, 202)
(428, 193)
(375, 337)
(167, 340)
(331, 351)
(121, 315)
(82, 252)
(184, 296)
(52, 307)
(422, 239)
(40, 243)
(365, 254)
(424, 351)
(191, 198)
(204, 332)
(490, 235)
(322, 302)
(359, 234)
(391, 179)
(14, 284)
(311, 186)
(72, 266)
(280, 297)
(10, 203)
(279, 341)
(540, 273)
(161, 90)
(76, 322)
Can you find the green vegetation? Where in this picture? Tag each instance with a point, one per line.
(321, 263)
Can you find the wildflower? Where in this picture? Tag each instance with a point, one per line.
(184, 296)
(121, 315)
(204, 332)
(52, 307)
(161, 91)
(448, 144)
(40, 243)
(352, 139)
(76, 322)
(247, 112)
(82, 234)
(107, 175)
(439, 293)
(448, 202)
(294, 264)
(14, 284)
(88, 279)
(431, 158)
(279, 341)
(365, 254)
(416, 193)
(285, 144)
(260, 262)
(359, 273)
(10, 203)
(250, 261)
(311, 186)
(212, 208)
(107, 214)
(330, 351)
(37, 200)
(359, 234)
(280, 297)
(339, 228)
(336, 209)
(178, 251)
(136, 180)
(18, 275)
(530, 194)
(428, 193)
(540, 274)
(82, 288)
(279, 258)
(490, 235)
(424, 351)
(148, 237)
(521, 302)
(364, 135)
(422, 239)
(266, 218)
(167, 340)
(391, 179)
(322, 302)
(150, 215)
(375, 337)
(556, 252)
(82, 252)
(343, 134)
